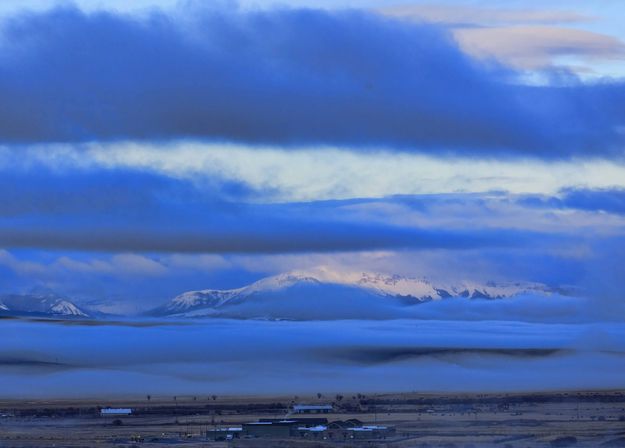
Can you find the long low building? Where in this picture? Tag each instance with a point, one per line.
(301, 421)
(266, 427)
(225, 433)
(309, 428)
(370, 432)
(348, 429)
(276, 429)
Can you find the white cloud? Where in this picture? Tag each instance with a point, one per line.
(307, 174)
(21, 267)
(536, 47)
(527, 39)
(202, 262)
(118, 265)
(481, 15)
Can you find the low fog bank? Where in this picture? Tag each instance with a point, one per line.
(269, 357)
(525, 308)
(313, 304)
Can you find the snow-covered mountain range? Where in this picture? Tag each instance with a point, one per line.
(324, 293)
(319, 293)
(39, 303)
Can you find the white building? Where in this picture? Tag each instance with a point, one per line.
(312, 408)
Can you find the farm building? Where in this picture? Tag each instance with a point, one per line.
(370, 432)
(312, 408)
(316, 432)
(115, 412)
(224, 433)
(309, 428)
(281, 427)
(300, 421)
(277, 429)
(337, 430)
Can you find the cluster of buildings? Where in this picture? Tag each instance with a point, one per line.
(309, 428)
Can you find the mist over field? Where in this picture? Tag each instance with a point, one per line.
(85, 359)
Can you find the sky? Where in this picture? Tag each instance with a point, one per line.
(153, 147)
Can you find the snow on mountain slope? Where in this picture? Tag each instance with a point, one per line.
(38, 303)
(424, 289)
(65, 308)
(215, 298)
(200, 299)
(281, 295)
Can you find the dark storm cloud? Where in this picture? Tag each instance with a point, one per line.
(610, 200)
(246, 233)
(124, 193)
(285, 77)
(606, 200)
(105, 210)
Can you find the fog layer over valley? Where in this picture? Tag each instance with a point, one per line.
(311, 332)
(90, 359)
(311, 198)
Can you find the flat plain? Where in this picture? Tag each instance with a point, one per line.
(558, 419)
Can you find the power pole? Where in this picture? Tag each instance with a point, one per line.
(375, 409)
(214, 426)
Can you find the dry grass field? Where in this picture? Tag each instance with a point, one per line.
(581, 419)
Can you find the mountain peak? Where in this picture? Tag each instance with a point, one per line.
(40, 301)
(321, 283)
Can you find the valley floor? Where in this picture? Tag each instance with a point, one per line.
(580, 419)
